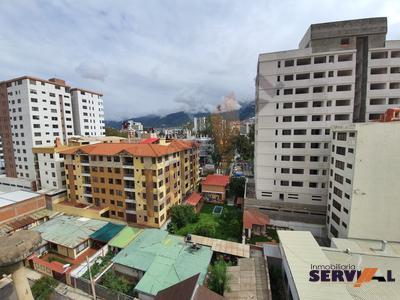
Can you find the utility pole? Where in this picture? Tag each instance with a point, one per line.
(92, 283)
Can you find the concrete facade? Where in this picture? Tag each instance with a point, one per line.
(88, 112)
(363, 192)
(336, 77)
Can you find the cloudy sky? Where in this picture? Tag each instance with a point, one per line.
(162, 56)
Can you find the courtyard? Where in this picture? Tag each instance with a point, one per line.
(225, 225)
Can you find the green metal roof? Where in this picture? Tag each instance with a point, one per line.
(68, 231)
(107, 232)
(124, 237)
(166, 260)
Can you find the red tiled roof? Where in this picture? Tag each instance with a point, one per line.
(193, 199)
(145, 150)
(254, 217)
(149, 141)
(219, 180)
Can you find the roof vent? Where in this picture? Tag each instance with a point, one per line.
(348, 251)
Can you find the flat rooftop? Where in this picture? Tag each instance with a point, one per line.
(69, 231)
(11, 198)
(301, 250)
(222, 246)
(166, 260)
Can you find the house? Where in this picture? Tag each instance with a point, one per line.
(195, 200)
(254, 222)
(158, 260)
(214, 188)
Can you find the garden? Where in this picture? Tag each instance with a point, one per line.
(100, 264)
(270, 236)
(223, 222)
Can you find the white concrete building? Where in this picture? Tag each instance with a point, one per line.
(343, 72)
(363, 199)
(199, 124)
(38, 112)
(34, 112)
(303, 259)
(88, 112)
(2, 164)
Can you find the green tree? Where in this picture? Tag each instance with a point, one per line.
(43, 288)
(115, 132)
(236, 186)
(244, 147)
(117, 283)
(182, 215)
(219, 279)
(205, 229)
(231, 222)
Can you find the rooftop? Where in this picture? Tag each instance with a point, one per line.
(124, 237)
(254, 217)
(219, 180)
(11, 198)
(222, 246)
(301, 250)
(144, 150)
(68, 231)
(193, 199)
(166, 260)
(106, 233)
(149, 141)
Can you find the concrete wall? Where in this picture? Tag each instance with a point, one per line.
(22, 208)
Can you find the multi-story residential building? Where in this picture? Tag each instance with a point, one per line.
(245, 126)
(2, 164)
(34, 112)
(363, 181)
(88, 112)
(199, 124)
(138, 183)
(343, 72)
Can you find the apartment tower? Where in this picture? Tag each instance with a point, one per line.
(342, 73)
(33, 113)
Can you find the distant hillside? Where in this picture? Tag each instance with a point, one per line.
(180, 118)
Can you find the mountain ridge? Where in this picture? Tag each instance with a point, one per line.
(176, 119)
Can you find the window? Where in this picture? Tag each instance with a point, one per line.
(287, 105)
(287, 119)
(378, 71)
(313, 185)
(284, 183)
(297, 183)
(300, 118)
(301, 91)
(319, 59)
(319, 75)
(379, 55)
(289, 63)
(339, 164)
(288, 77)
(300, 104)
(318, 89)
(299, 131)
(285, 170)
(343, 88)
(337, 192)
(297, 171)
(377, 86)
(303, 61)
(377, 101)
(345, 57)
(285, 158)
(303, 76)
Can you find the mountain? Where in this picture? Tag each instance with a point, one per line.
(246, 111)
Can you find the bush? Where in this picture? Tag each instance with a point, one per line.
(43, 288)
(219, 279)
(207, 230)
(172, 228)
(117, 283)
(182, 215)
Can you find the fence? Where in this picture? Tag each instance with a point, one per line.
(79, 271)
(101, 291)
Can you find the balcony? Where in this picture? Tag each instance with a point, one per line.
(127, 162)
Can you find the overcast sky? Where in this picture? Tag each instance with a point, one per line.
(162, 56)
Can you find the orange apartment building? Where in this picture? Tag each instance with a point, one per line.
(136, 183)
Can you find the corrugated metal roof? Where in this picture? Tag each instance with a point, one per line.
(68, 231)
(124, 237)
(367, 246)
(166, 260)
(107, 232)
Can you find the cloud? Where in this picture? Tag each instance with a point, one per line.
(92, 70)
(147, 61)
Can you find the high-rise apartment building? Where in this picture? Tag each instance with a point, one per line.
(363, 181)
(33, 113)
(137, 183)
(2, 164)
(342, 72)
(88, 112)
